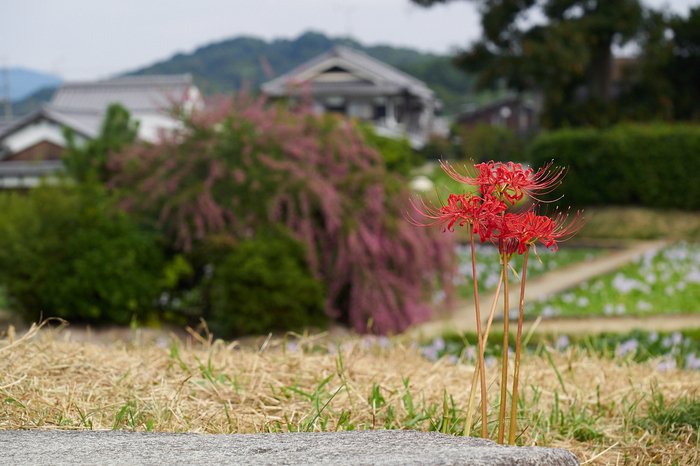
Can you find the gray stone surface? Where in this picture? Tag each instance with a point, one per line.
(378, 447)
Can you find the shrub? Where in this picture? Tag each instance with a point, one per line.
(486, 142)
(244, 166)
(264, 284)
(89, 160)
(440, 148)
(63, 253)
(399, 157)
(652, 166)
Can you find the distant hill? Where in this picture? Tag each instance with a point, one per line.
(230, 65)
(32, 102)
(24, 82)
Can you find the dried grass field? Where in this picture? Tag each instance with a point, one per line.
(606, 411)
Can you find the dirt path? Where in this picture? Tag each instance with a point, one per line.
(463, 317)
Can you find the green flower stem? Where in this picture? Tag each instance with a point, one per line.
(514, 401)
(482, 349)
(484, 404)
(504, 374)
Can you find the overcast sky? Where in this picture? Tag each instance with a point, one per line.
(88, 39)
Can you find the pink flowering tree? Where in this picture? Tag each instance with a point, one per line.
(245, 165)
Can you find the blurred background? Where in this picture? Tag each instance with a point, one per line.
(249, 164)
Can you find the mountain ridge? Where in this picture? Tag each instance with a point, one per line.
(240, 62)
(245, 62)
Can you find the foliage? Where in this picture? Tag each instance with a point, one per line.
(89, 161)
(63, 252)
(243, 166)
(663, 82)
(653, 166)
(673, 416)
(487, 142)
(399, 157)
(264, 284)
(440, 148)
(568, 58)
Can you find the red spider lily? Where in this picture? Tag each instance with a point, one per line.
(508, 233)
(509, 179)
(532, 228)
(458, 208)
(485, 179)
(515, 183)
(481, 213)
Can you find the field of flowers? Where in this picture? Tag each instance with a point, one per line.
(488, 268)
(665, 281)
(664, 350)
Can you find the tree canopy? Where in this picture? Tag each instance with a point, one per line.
(567, 59)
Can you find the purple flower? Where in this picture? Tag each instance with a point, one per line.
(677, 338)
(430, 353)
(627, 347)
(291, 347)
(562, 342)
(439, 344)
(469, 352)
(666, 365)
(692, 362)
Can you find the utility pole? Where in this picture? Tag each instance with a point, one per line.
(6, 93)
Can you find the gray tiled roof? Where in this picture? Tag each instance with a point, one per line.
(387, 78)
(84, 127)
(137, 93)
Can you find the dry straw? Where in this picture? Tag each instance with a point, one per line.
(48, 381)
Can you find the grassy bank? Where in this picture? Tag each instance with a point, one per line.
(606, 411)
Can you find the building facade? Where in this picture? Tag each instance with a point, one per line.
(354, 84)
(31, 147)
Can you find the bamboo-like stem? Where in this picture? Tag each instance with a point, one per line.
(480, 358)
(470, 409)
(514, 401)
(504, 373)
(482, 349)
(493, 311)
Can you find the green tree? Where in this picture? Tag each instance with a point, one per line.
(89, 160)
(665, 81)
(568, 60)
(65, 251)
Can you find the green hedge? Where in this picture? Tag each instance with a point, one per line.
(652, 165)
(264, 284)
(64, 252)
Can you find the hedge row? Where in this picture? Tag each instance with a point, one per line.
(651, 165)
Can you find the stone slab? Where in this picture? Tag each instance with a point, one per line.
(377, 447)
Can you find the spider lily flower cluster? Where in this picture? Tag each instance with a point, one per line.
(500, 186)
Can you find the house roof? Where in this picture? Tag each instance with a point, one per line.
(82, 105)
(83, 128)
(510, 101)
(375, 77)
(138, 94)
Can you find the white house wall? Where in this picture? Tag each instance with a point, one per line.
(151, 126)
(32, 134)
